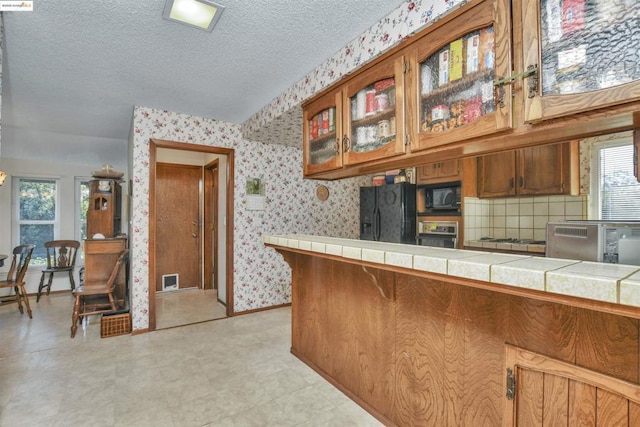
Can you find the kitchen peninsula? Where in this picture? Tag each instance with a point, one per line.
(430, 336)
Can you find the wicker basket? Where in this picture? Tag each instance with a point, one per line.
(115, 324)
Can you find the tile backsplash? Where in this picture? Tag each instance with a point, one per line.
(519, 217)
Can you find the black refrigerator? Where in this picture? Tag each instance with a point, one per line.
(388, 213)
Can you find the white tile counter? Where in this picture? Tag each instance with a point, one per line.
(613, 283)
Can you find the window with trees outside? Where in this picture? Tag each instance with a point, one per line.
(618, 192)
(37, 214)
(82, 205)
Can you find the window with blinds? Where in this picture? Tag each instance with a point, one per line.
(619, 190)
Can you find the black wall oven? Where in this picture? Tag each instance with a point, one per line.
(441, 234)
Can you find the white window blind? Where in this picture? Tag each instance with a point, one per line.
(619, 188)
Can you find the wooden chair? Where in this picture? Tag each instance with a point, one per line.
(96, 297)
(15, 278)
(61, 257)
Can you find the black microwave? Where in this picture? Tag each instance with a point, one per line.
(439, 199)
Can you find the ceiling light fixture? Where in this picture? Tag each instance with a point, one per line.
(202, 14)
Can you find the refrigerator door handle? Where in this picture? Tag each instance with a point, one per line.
(377, 230)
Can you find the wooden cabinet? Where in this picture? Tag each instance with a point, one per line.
(540, 170)
(99, 258)
(450, 170)
(358, 122)
(452, 95)
(419, 350)
(542, 390)
(322, 130)
(105, 207)
(585, 54)
(490, 76)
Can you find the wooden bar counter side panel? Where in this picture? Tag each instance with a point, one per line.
(415, 350)
(351, 346)
(420, 346)
(618, 343)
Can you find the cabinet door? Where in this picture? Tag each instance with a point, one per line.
(322, 130)
(496, 175)
(545, 391)
(586, 53)
(439, 172)
(373, 114)
(449, 169)
(427, 173)
(541, 170)
(455, 67)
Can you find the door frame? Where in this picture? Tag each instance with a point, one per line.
(210, 224)
(154, 144)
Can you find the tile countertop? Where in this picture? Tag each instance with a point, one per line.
(506, 246)
(613, 283)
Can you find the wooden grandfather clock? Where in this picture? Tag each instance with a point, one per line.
(105, 207)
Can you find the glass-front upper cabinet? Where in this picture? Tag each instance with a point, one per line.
(322, 134)
(454, 71)
(585, 55)
(373, 113)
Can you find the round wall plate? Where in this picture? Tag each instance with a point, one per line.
(322, 192)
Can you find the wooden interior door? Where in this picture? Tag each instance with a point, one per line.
(552, 392)
(178, 234)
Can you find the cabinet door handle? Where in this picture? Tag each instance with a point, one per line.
(337, 146)
(522, 182)
(346, 144)
(532, 80)
(511, 181)
(498, 94)
(195, 224)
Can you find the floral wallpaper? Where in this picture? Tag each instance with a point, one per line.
(261, 277)
(408, 19)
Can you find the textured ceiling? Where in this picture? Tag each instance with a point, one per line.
(77, 67)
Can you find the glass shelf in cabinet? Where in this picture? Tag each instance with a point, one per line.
(378, 143)
(374, 118)
(323, 138)
(460, 84)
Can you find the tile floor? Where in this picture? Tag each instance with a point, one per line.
(230, 372)
(187, 306)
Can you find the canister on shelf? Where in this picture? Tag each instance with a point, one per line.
(332, 119)
(313, 127)
(383, 129)
(361, 135)
(382, 101)
(325, 122)
(439, 112)
(372, 134)
(361, 104)
(371, 102)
